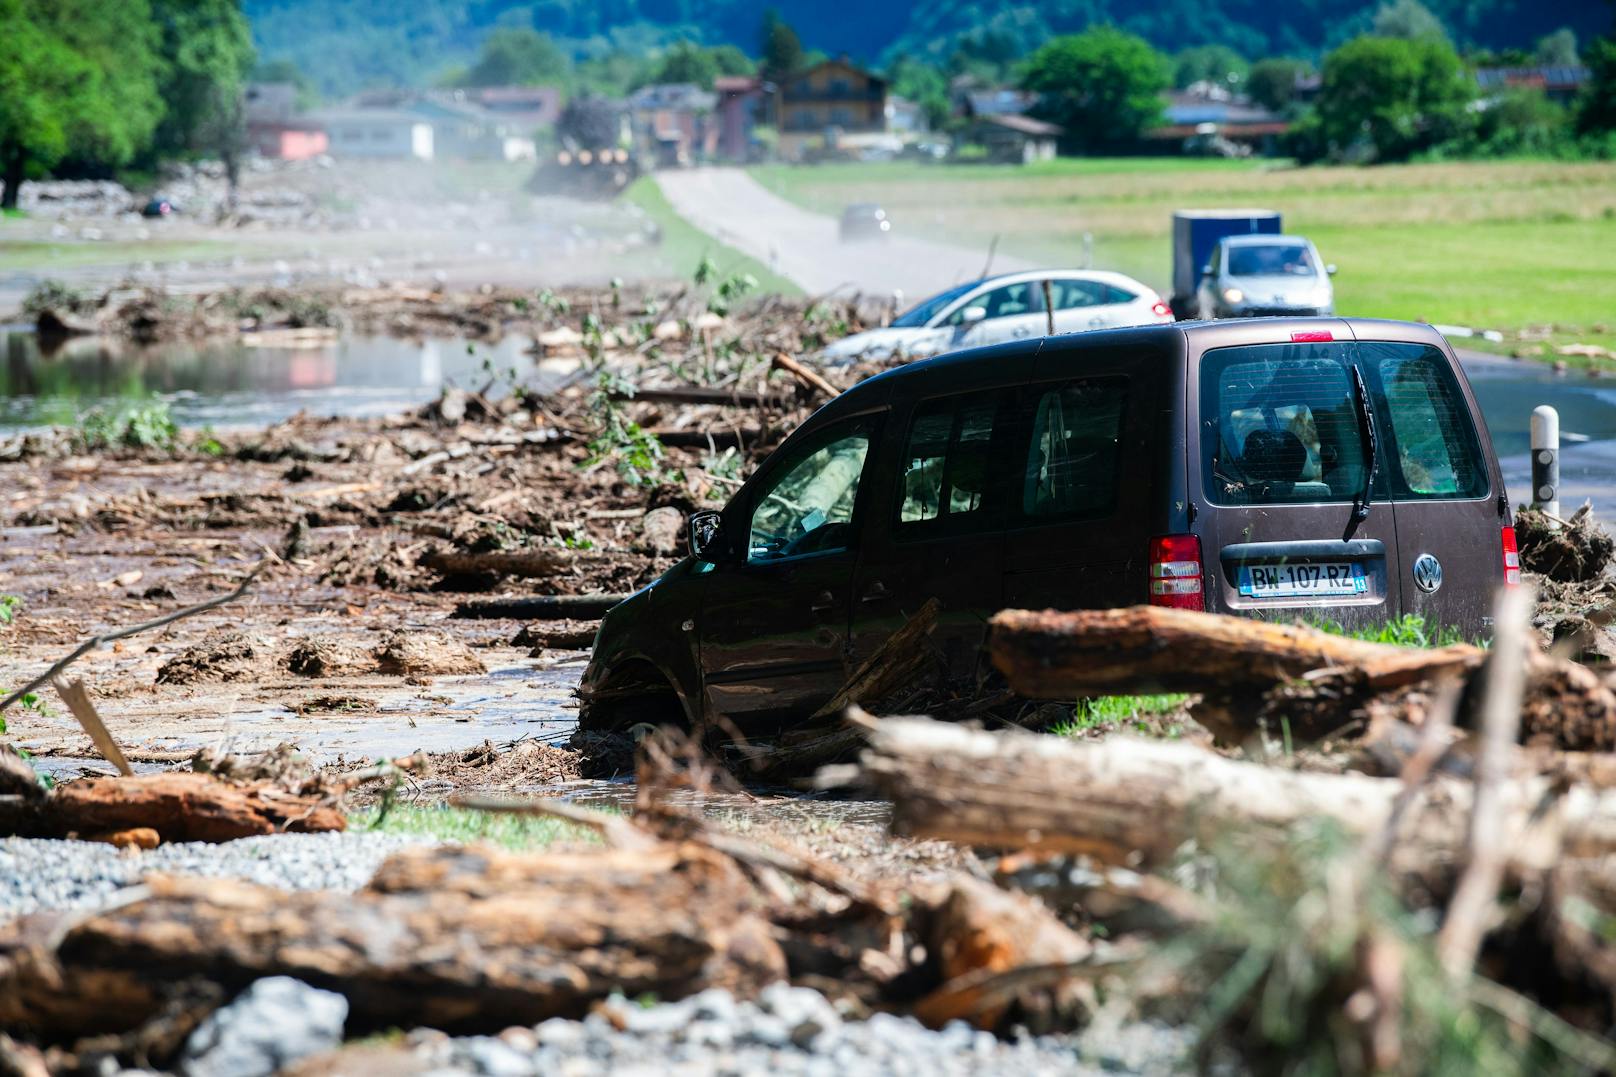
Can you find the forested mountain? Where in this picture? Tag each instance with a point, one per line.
(348, 44)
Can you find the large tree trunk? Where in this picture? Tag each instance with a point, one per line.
(1135, 802)
(449, 938)
(11, 174)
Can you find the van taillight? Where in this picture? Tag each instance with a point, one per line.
(1512, 557)
(1175, 572)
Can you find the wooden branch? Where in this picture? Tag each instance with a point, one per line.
(899, 661)
(810, 379)
(535, 607)
(124, 633)
(77, 698)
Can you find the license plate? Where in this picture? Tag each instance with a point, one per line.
(1329, 579)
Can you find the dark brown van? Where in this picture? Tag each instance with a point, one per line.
(1328, 469)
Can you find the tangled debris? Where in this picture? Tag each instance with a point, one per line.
(1576, 550)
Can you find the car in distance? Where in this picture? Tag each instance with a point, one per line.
(1322, 468)
(864, 220)
(1265, 276)
(1007, 307)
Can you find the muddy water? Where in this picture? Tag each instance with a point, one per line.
(227, 383)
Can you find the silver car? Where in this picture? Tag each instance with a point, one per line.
(1256, 276)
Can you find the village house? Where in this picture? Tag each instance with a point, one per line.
(739, 110)
(674, 123)
(1558, 83)
(391, 134)
(463, 129)
(274, 127)
(1210, 119)
(1009, 138)
(832, 105)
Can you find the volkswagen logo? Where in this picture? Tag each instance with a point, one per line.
(1427, 572)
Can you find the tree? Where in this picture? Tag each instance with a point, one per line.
(1409, 20)
(781, 48)
(925, 85)
(1103, 85)
(282, 69)
(1521, 120)
(1209, 63)
(518, 56)
(1558, 49)
(1596, 111)
(1272, 82)
(207, 51)
(78, 78)
(1400, 95)
(687, 61)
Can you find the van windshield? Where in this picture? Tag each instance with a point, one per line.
(1280, 424)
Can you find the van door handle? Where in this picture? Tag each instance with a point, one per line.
(823, 601)
(876, 593)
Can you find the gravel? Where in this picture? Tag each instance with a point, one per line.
(40, 874)
(789, 1031)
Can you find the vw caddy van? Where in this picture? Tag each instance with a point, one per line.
(1324, 469)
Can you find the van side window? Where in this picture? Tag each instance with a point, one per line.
(1433, 440)
(806, 506)
(1074, 460)
(946, 461)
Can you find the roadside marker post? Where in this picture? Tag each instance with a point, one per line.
(1546, 459)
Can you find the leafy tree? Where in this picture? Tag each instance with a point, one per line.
(1103, 85)
(207, 51)
(611, 74)
(1409, 20)
(78, 79)
(1400, 95)
(781, 48)
(518, 56)
(1272, 82)
(926, 86)
(1209, 63)
(1596, 111)
(1558, 49)
(1521, 120)
(687, 61)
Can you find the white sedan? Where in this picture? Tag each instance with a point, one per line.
(1007, 307)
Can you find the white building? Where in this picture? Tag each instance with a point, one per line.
(378, 133)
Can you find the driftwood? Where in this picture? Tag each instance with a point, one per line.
(449, 938)
(1135, 802)
(1246, 670)
(178, 806)
(531, 563)
(534, 607)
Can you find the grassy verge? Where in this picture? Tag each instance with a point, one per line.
(684, 245)
(1507, 245)
(448, 823)
(1154, 716)
(43, 256)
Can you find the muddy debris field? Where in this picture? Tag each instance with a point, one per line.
(1361, 856)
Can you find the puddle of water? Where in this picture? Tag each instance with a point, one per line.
(227, 383)
(1508, 391)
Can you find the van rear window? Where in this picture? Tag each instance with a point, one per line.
(1280, 424)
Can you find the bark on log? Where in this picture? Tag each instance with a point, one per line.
(533, 607)
(179, 806)
(530, 564)
(702, 394)
(459, 939)
(1127, 802)
(807, 378)
(1235, 662)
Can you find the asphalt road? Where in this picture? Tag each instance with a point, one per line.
(729, 205)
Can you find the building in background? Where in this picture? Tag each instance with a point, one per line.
(275, 128)
(463, 129)
(1014, 139)
(1561, 84)
(1209, 119)
(675, 123)
(830, 107)
(741, 100)
(379, 133)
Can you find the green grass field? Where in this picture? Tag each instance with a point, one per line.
(43, 256)
(1503, 245)
(684, 245)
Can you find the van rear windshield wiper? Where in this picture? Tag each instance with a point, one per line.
(1366, 426)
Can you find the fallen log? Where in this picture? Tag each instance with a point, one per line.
(1135, 802)
(807, 378)
(702, 394)
(1248, 669)
(533, 563)
(178, 806)
(462, 939)
(534, 607)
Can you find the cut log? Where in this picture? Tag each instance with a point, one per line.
(531, 563)
(468, 939)
(1135, 802)
(807, 378)
(534, 607)
(178, 806)
(1319, 681)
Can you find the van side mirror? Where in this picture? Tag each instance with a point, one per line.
(706, 535)
(1330, 269)
(972, 315)
(1206, 270)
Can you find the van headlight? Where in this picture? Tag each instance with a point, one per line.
(1233, 295)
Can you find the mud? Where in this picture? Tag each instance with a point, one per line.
(1575, 550)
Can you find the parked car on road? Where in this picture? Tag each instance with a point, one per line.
(1264, 276)
(1007, 307)
(1279, 468)
(864, 220)
(157, 206)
